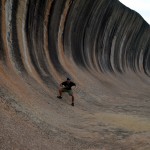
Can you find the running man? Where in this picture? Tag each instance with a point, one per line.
(66, 87)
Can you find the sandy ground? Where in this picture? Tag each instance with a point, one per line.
(105, 117)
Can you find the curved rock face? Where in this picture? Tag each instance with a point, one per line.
(102, 45)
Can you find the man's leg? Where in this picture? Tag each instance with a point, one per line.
(71, 94)
(72, 100)
(60, 93)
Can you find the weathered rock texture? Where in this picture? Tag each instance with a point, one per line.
(103, 46)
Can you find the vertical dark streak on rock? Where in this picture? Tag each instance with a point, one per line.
(2, 52)
(53, 27)
(79, 50)
(103, 46)
(72, 32)
(16, 55)
(35, 34)
(146, 59)
(65, 22)
(39, 34)
(29, 27)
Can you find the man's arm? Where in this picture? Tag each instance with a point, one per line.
(63, 83)
(73, 84)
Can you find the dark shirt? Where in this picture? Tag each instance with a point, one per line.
(68, 85)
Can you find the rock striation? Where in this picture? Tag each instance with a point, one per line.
(102, 45)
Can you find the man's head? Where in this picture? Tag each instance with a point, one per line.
(68, 79)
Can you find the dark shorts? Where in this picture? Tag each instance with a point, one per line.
(70, 92)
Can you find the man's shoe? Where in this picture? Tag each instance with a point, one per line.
(72, 104)
(59, 97)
